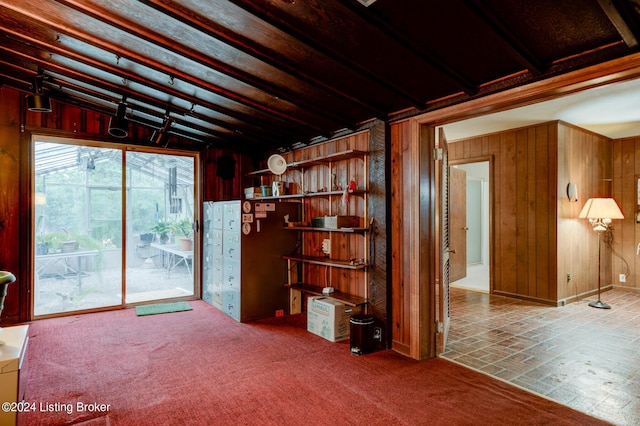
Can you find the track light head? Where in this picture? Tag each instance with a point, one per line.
(118, 124)
(161, 136)
(37, 101)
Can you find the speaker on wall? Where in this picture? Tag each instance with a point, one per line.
(226, 167)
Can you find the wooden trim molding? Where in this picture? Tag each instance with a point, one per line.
(615, 71)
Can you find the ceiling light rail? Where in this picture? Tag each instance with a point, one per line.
(165, 43)
(252, 126)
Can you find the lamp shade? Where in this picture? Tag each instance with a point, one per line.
(38, 101)
(601, 208)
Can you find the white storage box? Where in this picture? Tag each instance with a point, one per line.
(336, 222)
(328, 318)
(253, 192)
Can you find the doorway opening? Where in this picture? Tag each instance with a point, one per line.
(476, 227)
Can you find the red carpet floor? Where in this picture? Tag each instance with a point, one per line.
(200, 367)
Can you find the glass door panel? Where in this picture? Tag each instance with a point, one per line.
(78, 224)
(160, 215)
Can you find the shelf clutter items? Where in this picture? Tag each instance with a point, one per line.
(328, 273)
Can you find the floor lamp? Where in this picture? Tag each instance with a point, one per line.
(600, 211)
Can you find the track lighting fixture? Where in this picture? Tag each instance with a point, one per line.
(37, 101)
(118, 124)
(161, 136)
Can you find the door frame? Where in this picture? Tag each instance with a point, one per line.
(598, 75)
(39, 136)
(480, 159)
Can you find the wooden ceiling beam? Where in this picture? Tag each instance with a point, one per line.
(618, 21)
(91, 96)
(278, 94)
(518, 49)
(371, 16)
(332, 52)
(126, 52)
(247, 127)
(176, 117)
(249, 47)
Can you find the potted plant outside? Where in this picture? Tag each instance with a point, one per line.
(162, 229)
(65, 242)
(183, 230)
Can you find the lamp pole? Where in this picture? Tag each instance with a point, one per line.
(599, 303)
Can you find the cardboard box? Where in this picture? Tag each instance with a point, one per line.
(328, 318)
(335, 222)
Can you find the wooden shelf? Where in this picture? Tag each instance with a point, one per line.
(260, 172)
(346, 298)
(280, 197)
(338, 156)
(310, 194)
(325, 261)
(321, 174)
(312, 229)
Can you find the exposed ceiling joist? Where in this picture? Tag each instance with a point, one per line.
(242, 43)
(515, 47)
(331, 50)
(262, 75)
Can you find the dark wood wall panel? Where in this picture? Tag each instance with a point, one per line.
(524, 207)
(402, 268)
(222, 188)
(10, 218)
(315, 179)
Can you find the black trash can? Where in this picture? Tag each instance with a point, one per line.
(362, 331)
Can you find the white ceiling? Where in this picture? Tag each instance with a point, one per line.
(612, 111)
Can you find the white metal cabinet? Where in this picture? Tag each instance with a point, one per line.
(245, 257)
(207, 256)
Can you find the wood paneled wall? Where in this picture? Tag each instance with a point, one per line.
(343, 245)
(626, 232)
(538, 240)
(12, 239)
(403, 266)
(523, 262)
(584, 158)
(216, 162)
(16, 126)
(372, 179)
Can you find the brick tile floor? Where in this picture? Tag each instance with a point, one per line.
(583, 357)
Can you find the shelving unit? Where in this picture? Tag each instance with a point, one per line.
(346, 298)
(346, 268)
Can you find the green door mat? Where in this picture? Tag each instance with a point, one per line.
(162, 308)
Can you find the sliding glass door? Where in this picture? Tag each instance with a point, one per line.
(160, 218)
(85, 197)
(78, 228)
